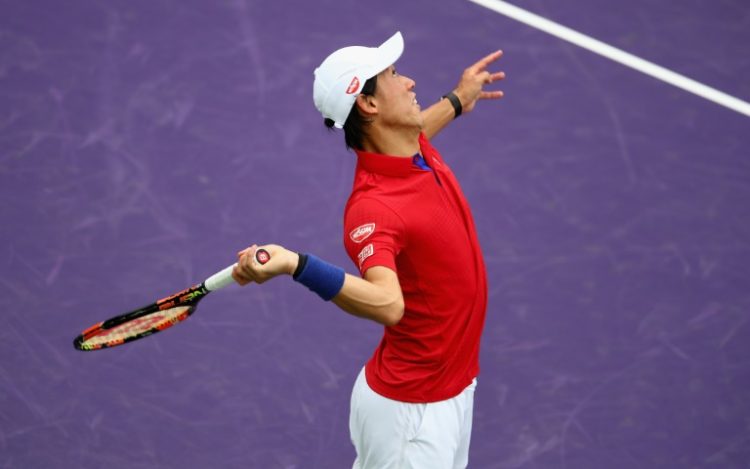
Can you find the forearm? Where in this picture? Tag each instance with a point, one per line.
(436, 117)
(370, 300)
(377, 297)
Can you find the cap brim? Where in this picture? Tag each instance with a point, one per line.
(388, 53)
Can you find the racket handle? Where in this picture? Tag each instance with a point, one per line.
(223, 278)
(262, 256)
(220, 279)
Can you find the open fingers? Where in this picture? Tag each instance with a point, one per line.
(491, 95)
(496, 77)
(486, 77)
(491, 78)
(485, 61)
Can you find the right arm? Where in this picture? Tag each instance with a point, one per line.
(377, 296)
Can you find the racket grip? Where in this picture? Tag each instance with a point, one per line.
(220, 279)
(223, 278)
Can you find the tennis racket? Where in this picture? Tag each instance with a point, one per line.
(158, 316)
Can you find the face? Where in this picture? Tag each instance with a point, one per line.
(396, 100)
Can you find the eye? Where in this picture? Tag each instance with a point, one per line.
(394, 72)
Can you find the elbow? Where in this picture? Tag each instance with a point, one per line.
(393, 314)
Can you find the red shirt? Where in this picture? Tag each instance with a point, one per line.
(417, 223)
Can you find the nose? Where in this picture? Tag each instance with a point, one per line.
(410, 84)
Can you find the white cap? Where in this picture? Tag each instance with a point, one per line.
(341, 76)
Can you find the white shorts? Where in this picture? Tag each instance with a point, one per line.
(389, 434)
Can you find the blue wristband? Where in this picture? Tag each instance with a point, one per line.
(319, 276)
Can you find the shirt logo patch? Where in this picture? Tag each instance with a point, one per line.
(366, 252)
(363, 232)
(353, 86)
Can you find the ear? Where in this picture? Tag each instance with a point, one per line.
(367, 105)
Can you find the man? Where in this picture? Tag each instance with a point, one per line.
(408, 228)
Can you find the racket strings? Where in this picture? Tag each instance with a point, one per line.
(156, 321)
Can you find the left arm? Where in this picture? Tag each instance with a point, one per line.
(469, 91)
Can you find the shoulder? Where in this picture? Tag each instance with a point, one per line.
(368, 207)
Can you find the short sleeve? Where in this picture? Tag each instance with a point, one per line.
(373, 234)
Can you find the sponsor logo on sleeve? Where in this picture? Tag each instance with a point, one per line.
(366, 252)
(362, 232)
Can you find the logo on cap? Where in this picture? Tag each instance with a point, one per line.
(353, 86)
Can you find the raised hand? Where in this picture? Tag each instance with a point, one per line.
(471, 87)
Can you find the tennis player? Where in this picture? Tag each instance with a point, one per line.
(409, 230)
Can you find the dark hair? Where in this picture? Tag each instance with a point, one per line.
(354, 127)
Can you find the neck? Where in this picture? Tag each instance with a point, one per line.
(392, 141)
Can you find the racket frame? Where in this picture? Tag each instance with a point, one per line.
(188, 298)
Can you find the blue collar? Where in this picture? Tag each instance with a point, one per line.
(420, 162)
